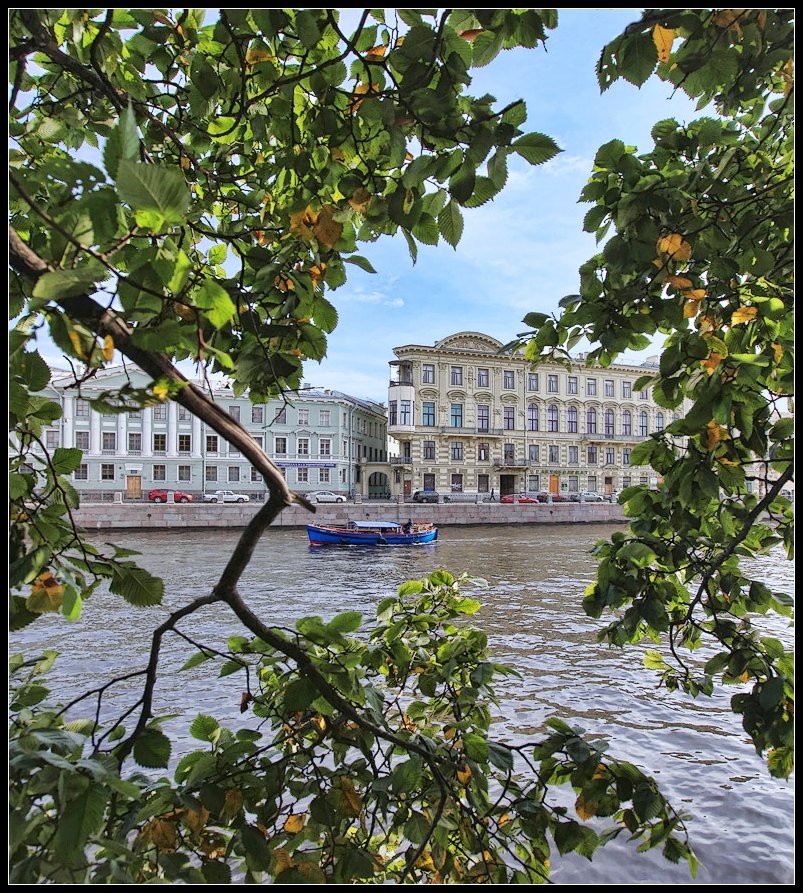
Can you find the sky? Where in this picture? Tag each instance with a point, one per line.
(520, 252)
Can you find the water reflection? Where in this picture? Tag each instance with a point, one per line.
(741, 826)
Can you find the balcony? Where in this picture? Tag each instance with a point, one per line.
(407, 382)
(473, 431)
(511, 462)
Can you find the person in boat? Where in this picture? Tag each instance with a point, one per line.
(407, 527)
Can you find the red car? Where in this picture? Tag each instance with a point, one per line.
(161, 496)
(522, 498)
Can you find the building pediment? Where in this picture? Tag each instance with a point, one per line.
(475, 341)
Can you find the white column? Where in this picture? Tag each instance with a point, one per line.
(196, 437)
(68, 421)
(147, 431)
(122, 434)
(94, 433)
(172, 430)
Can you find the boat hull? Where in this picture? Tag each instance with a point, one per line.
(322, 536)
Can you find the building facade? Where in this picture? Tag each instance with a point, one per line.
(322, 440)
(469, 418)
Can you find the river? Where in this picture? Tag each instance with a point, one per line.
(742, 819)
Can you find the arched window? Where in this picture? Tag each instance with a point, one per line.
(552, 417)
(609, 422)
(591, 421)
(627, 423)
(572, 419)
(532, 417)
(659, 421)
(642, 424)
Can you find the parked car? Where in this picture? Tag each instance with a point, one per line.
(160, 495)
(226, 496)
(593, 497)
(522, 497)
(427, 496)
(556, 497)
(328, 496)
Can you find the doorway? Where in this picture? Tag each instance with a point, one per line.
(133, 486)
(507, 484)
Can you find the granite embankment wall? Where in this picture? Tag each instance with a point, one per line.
(99, 516)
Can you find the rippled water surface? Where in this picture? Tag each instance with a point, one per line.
(742, 820)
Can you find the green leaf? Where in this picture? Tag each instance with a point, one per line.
(137, 586)
(638, 59)
(536, 147)
(151, 187)
(347, 622)
(70, 283)
(450, 223)
(82, 816)
(66, 459)
(215, 301)
(123, 142)
(205, 728)
(360, 262)
(152, 749)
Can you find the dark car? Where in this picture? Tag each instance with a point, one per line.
(556, 497)
(427, 496)
(161, 496)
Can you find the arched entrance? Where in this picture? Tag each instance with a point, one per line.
(378, 485)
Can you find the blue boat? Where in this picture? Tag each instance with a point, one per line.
(371, 533)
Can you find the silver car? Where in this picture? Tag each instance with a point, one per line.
(328, 496)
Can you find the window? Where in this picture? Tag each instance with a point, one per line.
(592, 483)
(659, 421)
(554, 455)
(574, 483)
(183, 473)
(159, 473)
(393, 412)
(533, 481)
(51, 439)
(81, 473)
(428, 373)
(532, 417)
(457, 375)
(552, 384)
(626, 456)
(534, 452)
(406, 414)
(428, 414)
(609, 388)
(429, 482)
(509, 452)
(642, 424)
(483, 483)
(552, 417)
(591, 387)
(509, 379)
(571, 420)
(108, 441)
(429, 450)
(159, 443)
(323, 475)
(626, 479)
(81, 408)
(184, 414)
(574, 455)
(256, 477)
(627, 389)
(160, 413)
(303, 417)
(234, 474)
(610, 455)
(302, 475)
(643, 395)
(82, 440)
(211, 473)
(456, 415)
(609, 422)
(280, 446)
(281, 416)
(257, 415)
(483, 417)
(323, 417)
(592, 455)
(483, 452)
(457, 483)
(303, 446)
(532, 381)
(211, 444)
(134, 443)
(591, 420)
(457, 452)
(627, 423)
(184, 443)
(483, 378)
(571, 384)
(107, 472)
(325, 447)
(509, 418)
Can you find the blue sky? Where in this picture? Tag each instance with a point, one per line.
(520, 252)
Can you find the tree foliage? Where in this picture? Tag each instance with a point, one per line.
(191, 189)
(698, 248)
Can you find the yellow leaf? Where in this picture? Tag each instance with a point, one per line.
(449, 733)
(302, 222)
(743, 315)
(283, 860)
(160, 390)
(777, 351)
(471, 34)
(284, 283)
(713, 360)
(294, 824)
(745, 677)
(46, 593)
(258, 54)
(675, 246)
(376, 53)
(679, 281)
(503, 819)
(360, 200)
(713, 435)
(312, 873)
(78, 347)
(232, 803)
(327, 229)
(706, 324)
(424, 861)
(695, 294)
(690, 309)
(348, 800)
(163, 834)
(108, 347)
(213, 845)
(196, 821)
(360, 91)
(408, 724)
(464, 774)
(663, 38)
(583, 809)
(184, 163)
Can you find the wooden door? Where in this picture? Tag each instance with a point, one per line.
(133, 486)
(554, 483)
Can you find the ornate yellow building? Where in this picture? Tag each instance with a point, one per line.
(469, 418)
